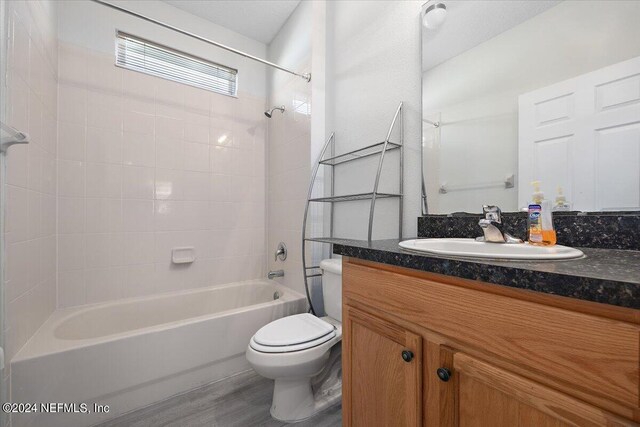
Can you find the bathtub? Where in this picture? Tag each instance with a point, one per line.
(130, 353)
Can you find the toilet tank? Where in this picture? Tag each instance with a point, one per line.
(332, 287)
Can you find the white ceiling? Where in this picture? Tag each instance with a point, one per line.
(256, 19)
(471, 22)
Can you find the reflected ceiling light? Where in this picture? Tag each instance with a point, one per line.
(434, 15)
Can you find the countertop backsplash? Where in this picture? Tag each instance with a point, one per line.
(609, 230)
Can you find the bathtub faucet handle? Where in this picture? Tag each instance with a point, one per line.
(281, 252)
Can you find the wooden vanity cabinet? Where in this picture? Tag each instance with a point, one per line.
(427, 350)
(386, 372)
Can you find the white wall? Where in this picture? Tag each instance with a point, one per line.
(30, 186)
(476, 93)
(146, 164)
(373, 54)
(289, 143)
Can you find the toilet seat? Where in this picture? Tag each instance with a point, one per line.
(292, 333)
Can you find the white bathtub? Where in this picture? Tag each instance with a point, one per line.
(130, 353)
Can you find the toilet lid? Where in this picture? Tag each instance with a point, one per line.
(293, 333)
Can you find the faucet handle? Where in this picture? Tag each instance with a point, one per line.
(281, 252)
(492, 213)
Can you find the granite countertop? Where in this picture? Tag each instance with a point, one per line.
(608, 276)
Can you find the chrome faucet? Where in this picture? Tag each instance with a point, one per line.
(276, 273)
(281, 252)
(492, 227)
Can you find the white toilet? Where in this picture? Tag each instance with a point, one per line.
(302, 353)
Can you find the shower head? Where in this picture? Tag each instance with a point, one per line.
(270, 112)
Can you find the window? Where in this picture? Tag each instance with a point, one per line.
(135, 53)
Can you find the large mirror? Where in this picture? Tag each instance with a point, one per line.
(522, 91)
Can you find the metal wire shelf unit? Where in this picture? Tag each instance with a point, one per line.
(352, 197)
(331, 159)
(360, 153)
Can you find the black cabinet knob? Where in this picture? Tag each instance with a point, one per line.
(444, 374)
(407, 355)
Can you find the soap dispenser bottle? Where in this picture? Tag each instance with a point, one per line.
(561, 202)
(540, 219)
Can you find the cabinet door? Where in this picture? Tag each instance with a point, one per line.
(490, 396)
(382, 369)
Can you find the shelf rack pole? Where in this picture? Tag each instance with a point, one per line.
(401, 175)
(333, 189)
(314, 172)
(377, 181)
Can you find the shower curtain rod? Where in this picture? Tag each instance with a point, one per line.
(306, 76)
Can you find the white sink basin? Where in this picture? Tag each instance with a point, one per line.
(470, 248)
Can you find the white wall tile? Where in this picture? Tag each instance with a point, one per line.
(169, 184)
(197, 185)
(169, 127)
(140, 104)
(18, 264)
(49, 174)
(168, 215)
(139, 121)
(196, 128)
(196, 157)
(288, 169)
(70, 215)
(138, 86)
(17, 220)
(17, 165)
(199, 240)
(72, 64)
(104, 145)
(220, 187)
(103, 215)
(151, 178)
(103, 75)
(139, 248)
(71, 288)
(19, 49)
(31, 179)
(137, 215)
(71, 252)
(48, 218)
(104, 180)
(139, 280)
(169, 153)
(34, 215)
(103, 250)
(73, 104)
(71, 141)
(71, 180)
(221, 160)
(221, 133)
(103, 284)
(169, 94)
(48, 257)
(138, 182)
(196, 100)
(195, 215)
(34, 160)
(104, 110)
(139, 149)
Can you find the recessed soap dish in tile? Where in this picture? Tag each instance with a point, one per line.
(183, 255)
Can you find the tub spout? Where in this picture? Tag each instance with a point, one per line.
(276, 273)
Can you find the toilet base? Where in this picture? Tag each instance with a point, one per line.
(296, 399)
(296, 402)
